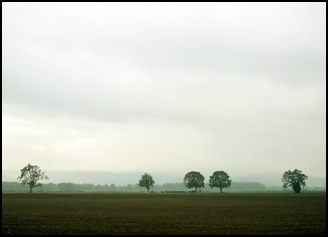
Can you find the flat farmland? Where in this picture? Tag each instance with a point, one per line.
(174, 214)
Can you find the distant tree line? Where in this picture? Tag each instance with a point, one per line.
(71, 187)
(31, 175)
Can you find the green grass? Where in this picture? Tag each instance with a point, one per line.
(143, 213)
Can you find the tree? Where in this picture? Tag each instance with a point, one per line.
(66, 186)
(30, 175)
(146, 181)
(112, 187)
(194, 179)
(220, 179)
(294, 179)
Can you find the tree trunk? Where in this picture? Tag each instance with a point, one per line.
(220, 190)
(31, 189)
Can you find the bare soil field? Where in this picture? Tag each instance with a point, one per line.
(174, 214)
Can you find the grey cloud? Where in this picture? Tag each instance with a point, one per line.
(254, 73)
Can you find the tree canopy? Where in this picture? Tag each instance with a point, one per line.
(30, 175)
(194, 179)
(294, 179)
(220, 179)
(146, 181)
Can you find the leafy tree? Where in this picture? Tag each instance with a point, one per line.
(112, 187)
(146, 181)
(220, 179)
(30, 175)
(294, 179)
(194, 179)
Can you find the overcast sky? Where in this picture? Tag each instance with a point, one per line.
(170, 87)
